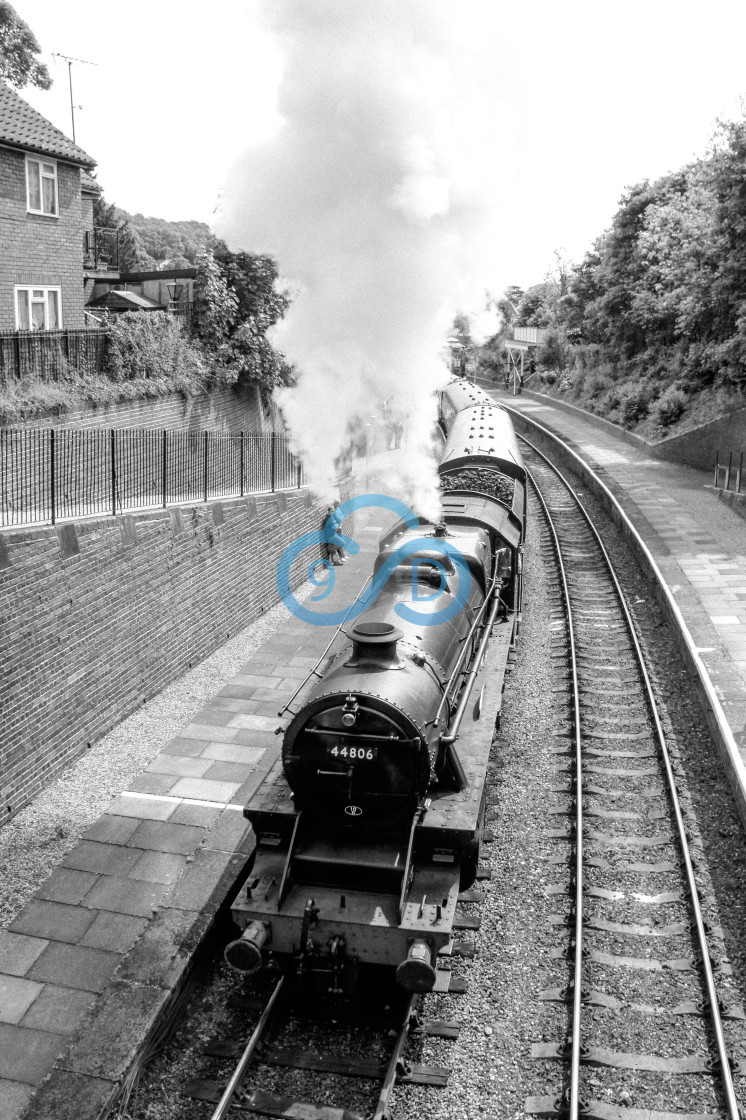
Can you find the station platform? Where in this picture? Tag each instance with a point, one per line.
(699, 546)
(90, 964)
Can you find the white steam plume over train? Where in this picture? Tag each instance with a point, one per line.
(376, 198)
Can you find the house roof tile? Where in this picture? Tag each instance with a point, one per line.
(89, 184)
(21, 126)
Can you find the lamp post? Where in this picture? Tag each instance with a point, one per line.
(174, 295)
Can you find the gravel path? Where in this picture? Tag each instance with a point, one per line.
(35, 841)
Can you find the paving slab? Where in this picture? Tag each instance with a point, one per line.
(126, 895)
(102, 859)
(159, 867)
(67, 885)
(168, 836)
(74, 966)
(16, 997)
(27, 1055)
(18, 952)
(58, 1010)
(114, 932)
(55, 921)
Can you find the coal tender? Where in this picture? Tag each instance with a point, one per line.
(370, 823)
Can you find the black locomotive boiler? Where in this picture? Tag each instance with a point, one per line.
(369, 824)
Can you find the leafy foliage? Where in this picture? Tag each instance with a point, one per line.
(658, 306)
(133, 257)
(237, 299)
(634, 401)
(165, 242)
(151, 347)
(215, 305)
(19, 65)
(669, 407)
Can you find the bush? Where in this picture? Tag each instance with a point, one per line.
(151, 346)
(634, 402)
(669, 407)
(609, 401)
(595, 386)
(555, 352)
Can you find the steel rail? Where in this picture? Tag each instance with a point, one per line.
(578, 959)
(717, 1023)
(245, 1060)
(382, 1109)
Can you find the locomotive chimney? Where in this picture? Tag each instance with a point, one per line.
(374, 645)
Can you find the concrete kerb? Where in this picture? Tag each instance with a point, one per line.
(706, 693)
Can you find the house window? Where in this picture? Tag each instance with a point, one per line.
(38, 309)
(41, 186)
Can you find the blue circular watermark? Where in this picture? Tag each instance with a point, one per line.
(407, 549)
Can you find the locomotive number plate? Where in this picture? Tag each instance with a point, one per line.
(351, 753)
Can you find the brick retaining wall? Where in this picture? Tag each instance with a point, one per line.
(100, 615)
(223, 409)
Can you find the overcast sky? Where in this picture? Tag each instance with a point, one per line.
(585, 99)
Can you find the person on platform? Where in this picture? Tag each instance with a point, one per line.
(334, 541)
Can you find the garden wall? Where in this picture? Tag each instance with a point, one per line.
(222, 409)
(100, 615)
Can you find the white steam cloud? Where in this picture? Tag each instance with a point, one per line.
(377, 200)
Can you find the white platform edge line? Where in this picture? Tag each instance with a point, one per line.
(180, 800)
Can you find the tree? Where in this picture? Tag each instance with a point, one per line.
(729, 285)
(104, 213)
(215, 306)
(679, 249)
(508, 304)
(237, 299)
(18, 50)
(254, 280)
(132, 254)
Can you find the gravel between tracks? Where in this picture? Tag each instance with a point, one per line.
(35, 841)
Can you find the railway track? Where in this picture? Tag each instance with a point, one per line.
(640, 972)
(327, 1052)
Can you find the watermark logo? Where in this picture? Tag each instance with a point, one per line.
(322, 573)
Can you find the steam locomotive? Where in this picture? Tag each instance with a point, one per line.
(370, 823)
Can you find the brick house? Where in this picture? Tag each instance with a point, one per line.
(46, 205)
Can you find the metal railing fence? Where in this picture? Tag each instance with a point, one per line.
(49, 355)
(101, 249)
(725, 471)
(47, 474)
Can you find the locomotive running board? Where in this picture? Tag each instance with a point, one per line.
(456, 814)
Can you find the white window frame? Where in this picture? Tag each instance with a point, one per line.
(29, 289)
(41, 162)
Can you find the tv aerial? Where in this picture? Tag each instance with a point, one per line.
(69, 61)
